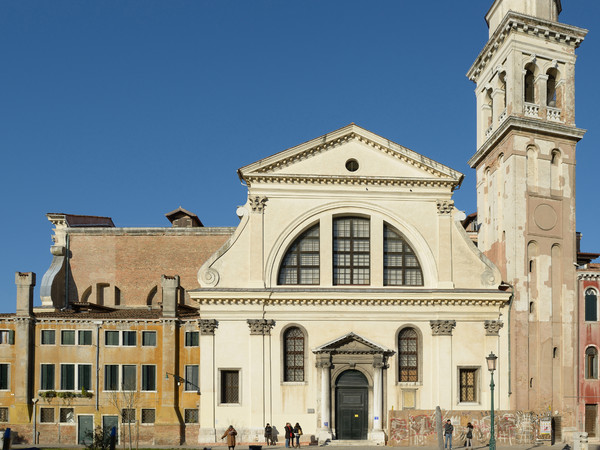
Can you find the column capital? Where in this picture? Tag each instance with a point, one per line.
(260, 326)
(208, 326)
(258, 203)
(380, 362)
(442, 327)
(444, 206)
(492, 327)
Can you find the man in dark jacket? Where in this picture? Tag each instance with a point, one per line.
(448, 429)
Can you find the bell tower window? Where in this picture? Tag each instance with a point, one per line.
(529, 86)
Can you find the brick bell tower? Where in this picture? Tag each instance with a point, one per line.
(525, 163)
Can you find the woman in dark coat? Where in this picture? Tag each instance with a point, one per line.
(289, 435)
(297, 434)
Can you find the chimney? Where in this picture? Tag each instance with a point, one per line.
(25, 282)
(170, 285)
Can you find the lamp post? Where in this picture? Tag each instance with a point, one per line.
(180, 380)
(491, 363)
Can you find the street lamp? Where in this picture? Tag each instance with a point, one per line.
(182, 380)
(491, 363)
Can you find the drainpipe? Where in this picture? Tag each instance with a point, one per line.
(98, 326)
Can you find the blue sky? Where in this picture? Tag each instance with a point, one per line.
(130, 109)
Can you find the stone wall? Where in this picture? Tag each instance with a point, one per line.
(417, 427)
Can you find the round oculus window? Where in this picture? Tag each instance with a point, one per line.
(352, 165)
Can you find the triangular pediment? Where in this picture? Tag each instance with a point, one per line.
(350, 155)
(352, 343)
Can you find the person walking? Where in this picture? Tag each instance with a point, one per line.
(297, 433)
(230, 434)
(269, 434)
(289, 435)
(469, 442)
(448, 429)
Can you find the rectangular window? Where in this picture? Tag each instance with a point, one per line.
(84, 337)
(111, 377)
(148, 378)
(192, 338)
(129, 338)
(4, 377)
(191, 377)
(48, 337)
(47, 377)
(3, 415)
(230, 392)
(468, 385)
(149, 338)
(67, 337)
(351, 251)
(84, 377)
(67, 415)
(67, 377)
(148, 415)
(47, 415)
(129, 378)
(191, 415)
(128, 415)
(111, 337)
(7, 337)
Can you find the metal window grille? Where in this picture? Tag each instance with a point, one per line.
(408, 355)
(128, 415)
(302, 260)
(468, 385)
(148, 415)
(46, 415)
(351, 251)
(400, 264)
(67, 415)
(230, 392)
(191, 416)
(3, 414)
(294, 354)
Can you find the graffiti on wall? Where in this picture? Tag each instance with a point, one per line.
(409, 428)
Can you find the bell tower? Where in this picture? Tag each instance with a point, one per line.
(525, 164)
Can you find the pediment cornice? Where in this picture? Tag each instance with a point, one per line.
(353, 344)
(521, 23)
(266, 169)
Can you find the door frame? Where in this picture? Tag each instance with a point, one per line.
(365, 388)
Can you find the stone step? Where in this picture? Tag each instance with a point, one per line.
(349, 443)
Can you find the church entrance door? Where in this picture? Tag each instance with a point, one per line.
(352, 400)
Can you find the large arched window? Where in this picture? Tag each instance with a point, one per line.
(351, 251)
(301, 262)
(591, 306)
(408, 355)
(400, 264)
(591, 363)
(293, 354)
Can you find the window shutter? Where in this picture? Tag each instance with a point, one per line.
(11, 337)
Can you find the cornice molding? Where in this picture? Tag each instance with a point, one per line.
(527, 125)
(522, 23)
(350, 180)
(346, 301)
(588, 276)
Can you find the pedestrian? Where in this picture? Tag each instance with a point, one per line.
(289, 435)
(448, 429)
(230, 434)
(297, 433)
(269, 434)
(469, 442)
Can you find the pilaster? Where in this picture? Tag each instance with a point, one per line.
(441, 330)
(208, 398)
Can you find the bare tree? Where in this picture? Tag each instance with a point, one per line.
(125, 402)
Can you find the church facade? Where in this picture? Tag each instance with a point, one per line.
(349, 291)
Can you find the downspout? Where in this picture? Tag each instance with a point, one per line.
(67, 271)
(504, 285)
(98, 325)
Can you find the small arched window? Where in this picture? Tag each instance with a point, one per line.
(551, 90)
(591, 363)
(301, 262)
(400, 264)
(408, 355)
(591, 306)
(293, 354)
(529, 86)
